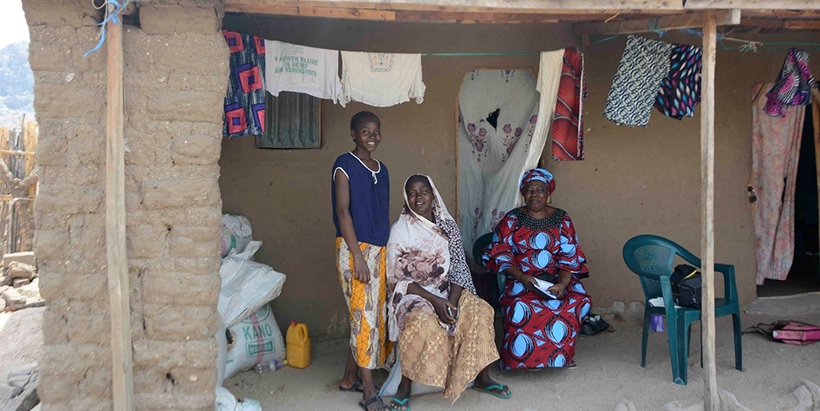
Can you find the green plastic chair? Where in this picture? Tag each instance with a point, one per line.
(652, 257)
(479, 247)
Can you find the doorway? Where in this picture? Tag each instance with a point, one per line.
(804, 275)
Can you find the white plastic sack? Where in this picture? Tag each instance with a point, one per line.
(255, 340)
(246, 286)
(221, 353)
(249, 251)
(236, 233)
(225, 401)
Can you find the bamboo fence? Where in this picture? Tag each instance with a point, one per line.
(17, 147)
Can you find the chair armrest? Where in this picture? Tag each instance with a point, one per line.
(668, 298)
(729, 285)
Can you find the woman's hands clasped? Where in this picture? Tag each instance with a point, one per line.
(447, 312)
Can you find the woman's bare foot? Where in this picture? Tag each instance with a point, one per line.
(401, 401)
(483, 382)
(371, 401)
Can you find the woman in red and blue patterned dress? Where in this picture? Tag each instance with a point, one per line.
(539, 241)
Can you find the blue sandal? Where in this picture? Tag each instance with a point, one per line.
(395, 404)
(500, 393)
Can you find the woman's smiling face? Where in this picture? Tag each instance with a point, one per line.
(420, 197)
(367, 135)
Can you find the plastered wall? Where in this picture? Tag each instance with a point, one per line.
(633, 181)
(175, 76)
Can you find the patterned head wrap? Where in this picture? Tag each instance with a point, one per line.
(538, 174)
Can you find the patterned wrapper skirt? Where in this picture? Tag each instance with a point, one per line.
(366, 304)
(541, 333)
(431, 357)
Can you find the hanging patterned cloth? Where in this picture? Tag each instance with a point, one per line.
(568, 122)
(680, 89)
(643, 65)
(245, 99)
(793, 85)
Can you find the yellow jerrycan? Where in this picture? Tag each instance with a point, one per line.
(298, 345)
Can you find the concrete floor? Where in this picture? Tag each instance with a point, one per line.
(608, 373)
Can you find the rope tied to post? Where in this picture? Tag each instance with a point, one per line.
(113, 9)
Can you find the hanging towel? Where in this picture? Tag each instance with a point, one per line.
(643, 65)
(381, 79)
(300, 69)
(793, 85)
(568, 123)
(775, 148)
(245, 98)
(680, 89)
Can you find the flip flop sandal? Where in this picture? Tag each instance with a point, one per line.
(594, 325)
(490, 390)
(367, 403)
(356, 387)
(396, 404)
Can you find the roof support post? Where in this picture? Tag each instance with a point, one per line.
(711, 400)
(122, 368)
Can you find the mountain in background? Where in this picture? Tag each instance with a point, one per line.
(16, 85)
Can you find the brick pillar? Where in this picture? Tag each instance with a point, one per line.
(174, 83)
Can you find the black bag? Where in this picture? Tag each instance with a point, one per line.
(686, 286)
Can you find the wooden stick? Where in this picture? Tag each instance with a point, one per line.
(707, 217)
(17, 153)
(815, 107)
(683, 21)
(116, 253)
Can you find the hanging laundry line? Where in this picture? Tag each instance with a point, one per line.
(748, 45)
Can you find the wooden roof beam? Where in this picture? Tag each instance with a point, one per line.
(683, 21)
(529, 6)
(780, 24)
(312, 11)
(752, 4)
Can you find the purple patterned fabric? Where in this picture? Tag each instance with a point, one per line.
(245, 98)
(680, 89)
(793, 85)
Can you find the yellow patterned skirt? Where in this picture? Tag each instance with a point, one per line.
(431, 357)
(366, 303)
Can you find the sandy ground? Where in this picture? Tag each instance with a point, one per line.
(608, 373)
(20, 339)
(20, 344)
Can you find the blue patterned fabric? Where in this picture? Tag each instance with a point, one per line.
(680, 89)
(643, 66)
(245, 99)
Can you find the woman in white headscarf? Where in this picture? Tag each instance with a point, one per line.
(445, 332)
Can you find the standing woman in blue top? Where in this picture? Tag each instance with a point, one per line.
(361, 193)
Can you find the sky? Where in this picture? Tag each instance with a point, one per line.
(13, 26)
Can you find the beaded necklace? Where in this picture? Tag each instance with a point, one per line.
(551, 221)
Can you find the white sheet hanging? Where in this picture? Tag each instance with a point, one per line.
(382, 79)
(300, 69)
(492, 158)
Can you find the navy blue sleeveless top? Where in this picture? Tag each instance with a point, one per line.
(369, 199)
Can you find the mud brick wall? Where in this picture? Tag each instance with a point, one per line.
(174, 83)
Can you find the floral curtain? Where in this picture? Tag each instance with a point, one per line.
(501, 133)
